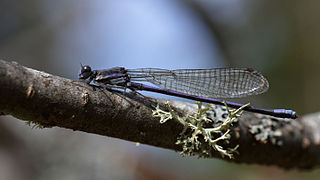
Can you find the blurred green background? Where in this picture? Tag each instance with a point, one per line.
(279, 38)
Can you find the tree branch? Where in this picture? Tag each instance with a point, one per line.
(50, 100)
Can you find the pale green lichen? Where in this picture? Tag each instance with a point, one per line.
(196, 137)
(35, 125)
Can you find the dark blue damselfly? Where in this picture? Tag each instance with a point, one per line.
(196, 84)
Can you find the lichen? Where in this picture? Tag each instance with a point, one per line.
(35, 125)
(202, 135)
(268, 130)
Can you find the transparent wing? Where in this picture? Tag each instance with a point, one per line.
(213, 83)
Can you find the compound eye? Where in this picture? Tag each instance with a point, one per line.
(86, 69)
(85, 72)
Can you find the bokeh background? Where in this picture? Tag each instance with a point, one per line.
(279, 38)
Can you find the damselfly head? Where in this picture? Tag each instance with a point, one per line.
(85, 72)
